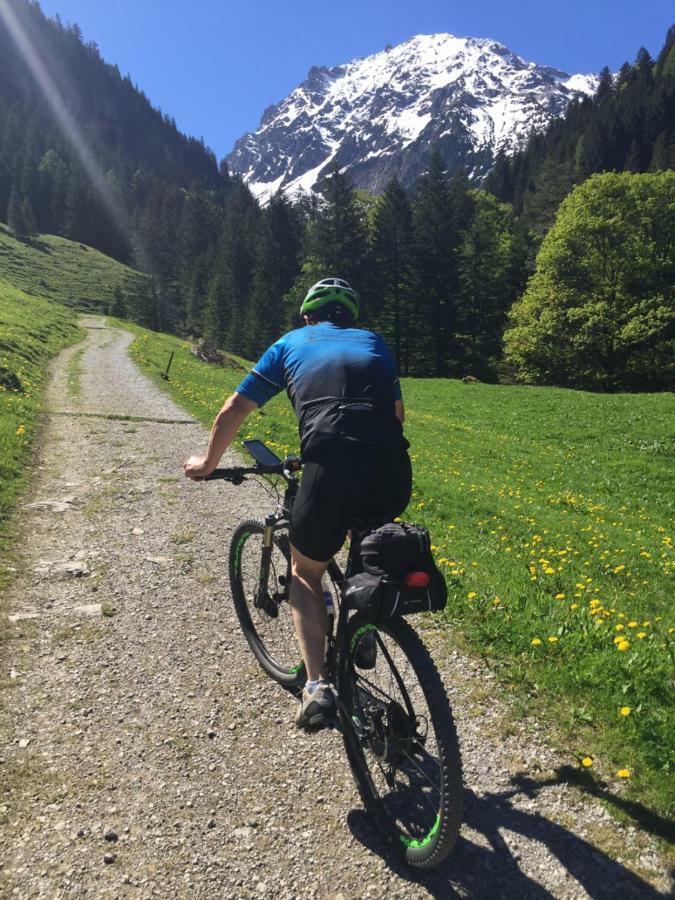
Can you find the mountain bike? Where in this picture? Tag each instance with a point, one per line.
(393, 712)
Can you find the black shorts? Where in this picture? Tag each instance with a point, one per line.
(343, 485)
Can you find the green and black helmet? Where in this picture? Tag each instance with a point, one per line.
(331, 290)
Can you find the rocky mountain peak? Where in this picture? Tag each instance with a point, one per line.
(380, 115)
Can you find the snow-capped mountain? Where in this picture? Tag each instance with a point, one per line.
(379, 116)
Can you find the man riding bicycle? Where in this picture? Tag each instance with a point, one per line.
(344, 388)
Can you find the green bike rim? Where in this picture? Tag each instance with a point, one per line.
(418, 843)
(364, 629)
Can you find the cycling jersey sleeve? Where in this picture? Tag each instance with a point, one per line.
(266, 378)
(386, 355)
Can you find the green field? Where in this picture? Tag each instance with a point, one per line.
(551, 512)
(32, 331)
(57, 269)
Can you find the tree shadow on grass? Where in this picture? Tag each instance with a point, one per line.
(485, 867)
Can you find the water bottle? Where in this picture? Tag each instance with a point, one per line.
(328, 600)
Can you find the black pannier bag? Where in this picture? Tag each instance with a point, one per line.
(400, 576)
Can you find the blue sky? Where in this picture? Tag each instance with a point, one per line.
(215, 65)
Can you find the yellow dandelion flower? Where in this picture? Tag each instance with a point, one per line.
(472, 595)
(587, 762)
(626, 710)
(559, 596)
(641, 635)
(624, 773)
(20, 430)
(574, 606)
(536, 642)
(632, 624)
(553, 639)
(618, 569)
(623, 646)
(619, 627)
(549, 571)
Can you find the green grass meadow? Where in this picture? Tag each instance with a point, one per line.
(551, 513)
(57, 269)
(32, 331)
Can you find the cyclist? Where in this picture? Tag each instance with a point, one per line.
(344, 388)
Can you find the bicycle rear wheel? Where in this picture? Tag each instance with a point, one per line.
(266, 621)
(400, 739)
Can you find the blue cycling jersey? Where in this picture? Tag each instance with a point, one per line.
(342, 383)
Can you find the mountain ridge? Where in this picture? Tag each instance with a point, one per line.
(377, 116)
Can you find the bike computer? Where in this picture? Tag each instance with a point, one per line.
(262, 453)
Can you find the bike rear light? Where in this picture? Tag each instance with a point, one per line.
(417, 579)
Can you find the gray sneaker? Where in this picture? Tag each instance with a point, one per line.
(317, 709)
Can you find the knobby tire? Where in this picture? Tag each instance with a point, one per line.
(423, 846)
(272, 639)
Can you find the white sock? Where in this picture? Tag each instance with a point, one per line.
(311, 686)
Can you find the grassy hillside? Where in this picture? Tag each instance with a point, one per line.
(57, 269)
(32, 330)
(551, 512)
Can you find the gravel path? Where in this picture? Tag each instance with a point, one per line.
(144, 754)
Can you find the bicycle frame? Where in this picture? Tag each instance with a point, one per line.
(288, 469)
(281, 516)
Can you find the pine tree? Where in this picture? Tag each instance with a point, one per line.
(53, 181)
(391, 304)
(28, 216)
(634, 159)
(339, 233)
(663, 155)
(117, 307)
(227, 307)
(15, 215)
(197, 235)
(490, 255)
(552, 184)
(500, 179)
(434, 273)
(276, 266)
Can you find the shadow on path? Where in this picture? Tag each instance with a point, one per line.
(494, 872)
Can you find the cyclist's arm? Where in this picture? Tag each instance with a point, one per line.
(400, 410)
(225, 427)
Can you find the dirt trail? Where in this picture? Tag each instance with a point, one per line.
(143, 752)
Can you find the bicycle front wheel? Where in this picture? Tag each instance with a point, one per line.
(400, 739)
(265, 615)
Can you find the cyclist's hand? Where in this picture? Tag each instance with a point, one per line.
(195, 468)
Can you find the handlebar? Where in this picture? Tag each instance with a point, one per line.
(237, 474)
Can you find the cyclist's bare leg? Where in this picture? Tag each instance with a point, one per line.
(309, 612)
